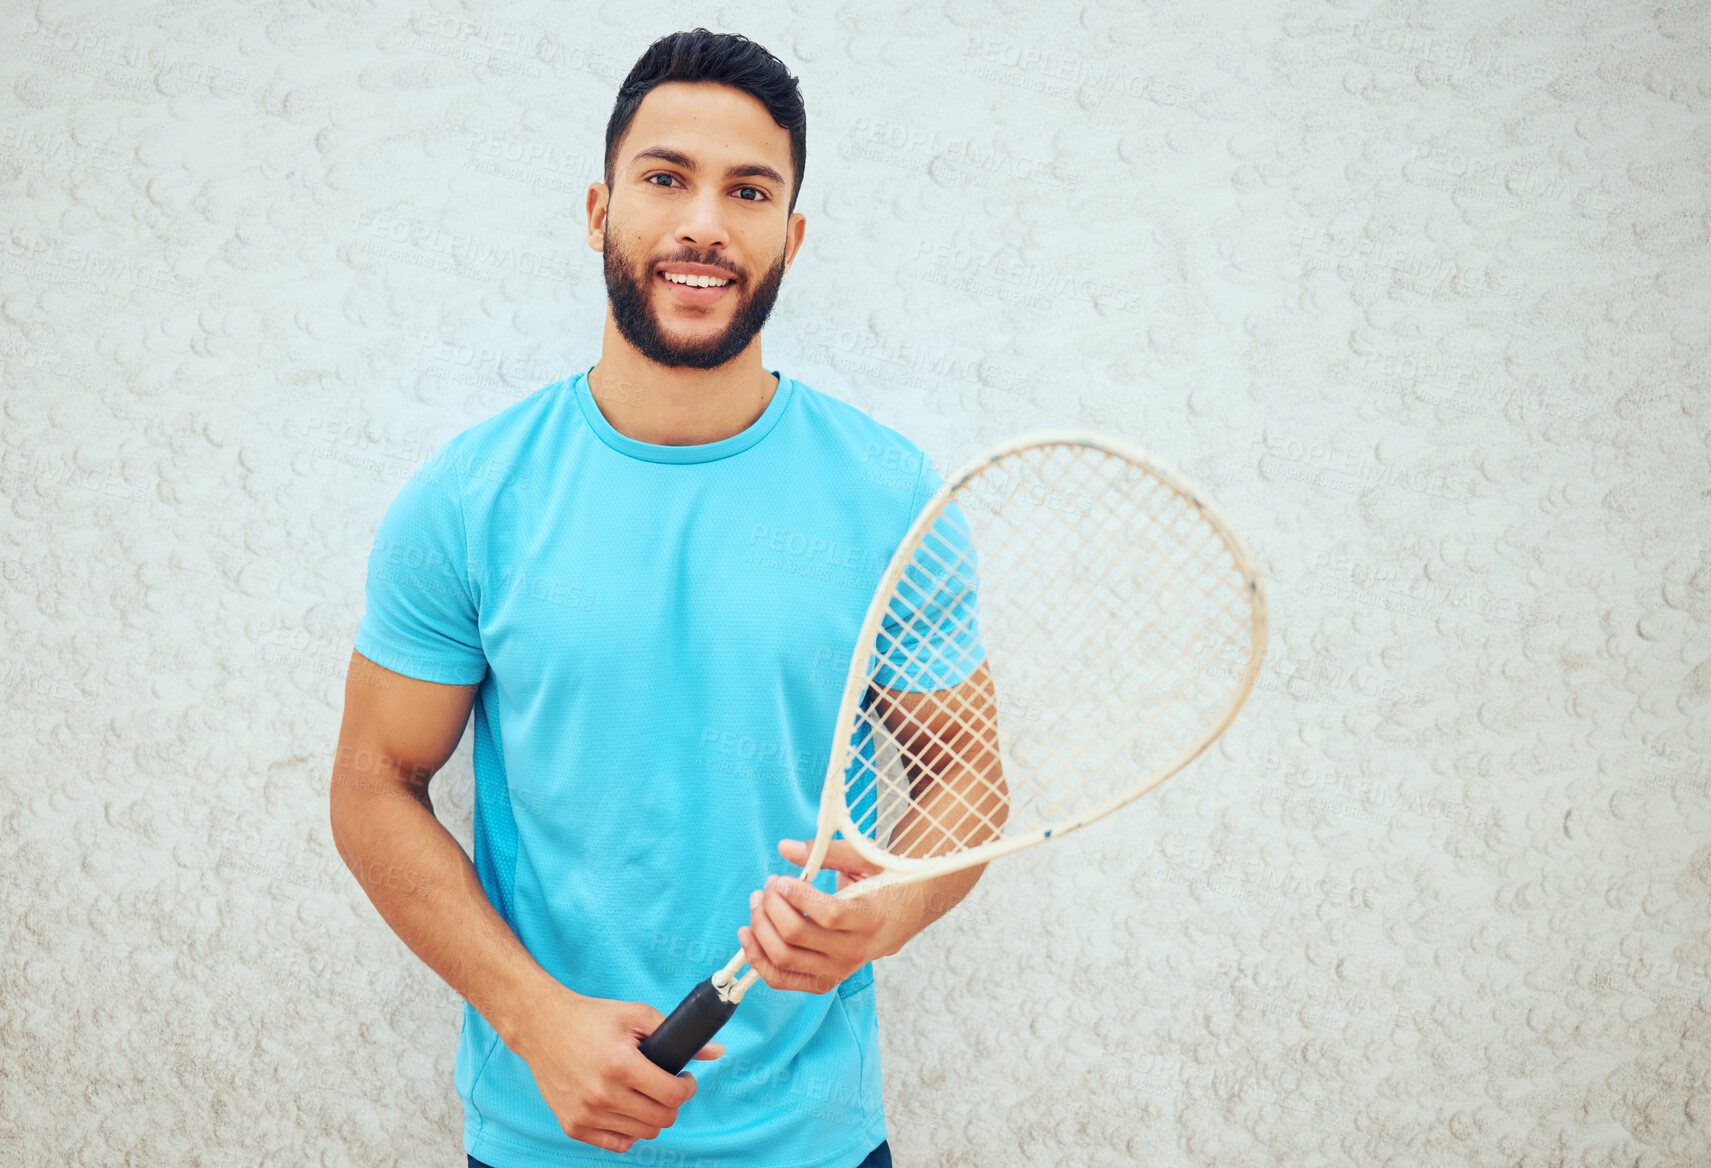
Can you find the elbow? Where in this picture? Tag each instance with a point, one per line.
(350, 786)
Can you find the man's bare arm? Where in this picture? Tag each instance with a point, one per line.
(396, 735)
(949, 737)
(960, 798)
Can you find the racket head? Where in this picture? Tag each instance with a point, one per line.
(1068, 622)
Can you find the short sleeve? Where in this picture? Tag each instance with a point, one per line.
(930, 636)
(421, 619)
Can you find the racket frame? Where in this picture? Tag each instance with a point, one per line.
(834, 812)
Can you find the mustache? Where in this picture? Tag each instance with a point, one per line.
(725, 269)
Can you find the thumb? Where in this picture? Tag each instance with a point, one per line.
(843, 858)
(840, 857)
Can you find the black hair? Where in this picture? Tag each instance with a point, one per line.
(725, 58)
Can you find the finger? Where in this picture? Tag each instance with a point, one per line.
(785, 967)
(804, 932)
(638, 1109)
(771, 974)
(803, 900)
(842, 856)
(661, 1086)
(857, 914)
(611, 1141)
(712, 1050)
(770, 946)
(686, 1082)
(805, 941)
(616, 1123)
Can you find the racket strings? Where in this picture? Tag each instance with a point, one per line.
(1171, 690)
(975, 725)
(978, 726)
(1154, 759)
(970, 749)
(939, 567)
(1091, 573)
(1152, 497)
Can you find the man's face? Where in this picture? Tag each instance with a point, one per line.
(701, 184)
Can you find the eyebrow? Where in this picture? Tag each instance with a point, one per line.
(680, 159)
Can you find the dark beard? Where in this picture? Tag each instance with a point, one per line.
(636, 321)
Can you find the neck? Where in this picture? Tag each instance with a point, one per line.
(679, 407)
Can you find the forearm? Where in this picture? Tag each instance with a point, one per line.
(910, 908)
(426, 889)
(958, 811)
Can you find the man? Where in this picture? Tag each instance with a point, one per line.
(645, 581)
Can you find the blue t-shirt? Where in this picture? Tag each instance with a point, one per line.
(661, 635)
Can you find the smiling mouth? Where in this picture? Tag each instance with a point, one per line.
(695, 293)
(696, 281)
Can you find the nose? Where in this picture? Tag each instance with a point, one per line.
(703, 224)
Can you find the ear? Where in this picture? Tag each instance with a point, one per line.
(793, 237)
(599, 199)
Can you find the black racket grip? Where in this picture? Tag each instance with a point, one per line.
(688, 1028)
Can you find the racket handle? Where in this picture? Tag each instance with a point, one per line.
(688, 1028)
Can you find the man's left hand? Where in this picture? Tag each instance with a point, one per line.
(799, 938)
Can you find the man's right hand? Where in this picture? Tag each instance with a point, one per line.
(604, 1091)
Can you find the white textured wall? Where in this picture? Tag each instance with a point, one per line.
(1420, 294)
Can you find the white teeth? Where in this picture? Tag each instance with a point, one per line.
(695, 281)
